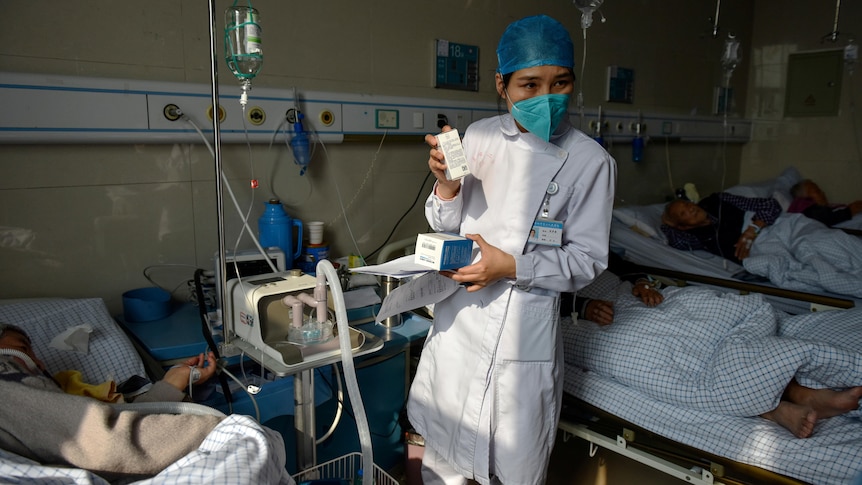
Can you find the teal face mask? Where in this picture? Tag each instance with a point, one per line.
(541, 115)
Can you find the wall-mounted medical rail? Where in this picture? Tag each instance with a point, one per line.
(39, 108)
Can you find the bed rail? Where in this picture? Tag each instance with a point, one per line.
(744, 286)
(689, 464)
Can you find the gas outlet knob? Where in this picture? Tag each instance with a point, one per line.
(256, 116)
(327, 118)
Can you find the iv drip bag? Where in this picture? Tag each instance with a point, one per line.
(587, 7)
(242, 42)
(730, 57)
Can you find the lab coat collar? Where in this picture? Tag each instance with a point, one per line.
(510, 129)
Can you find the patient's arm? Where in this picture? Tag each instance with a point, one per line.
(61, 429)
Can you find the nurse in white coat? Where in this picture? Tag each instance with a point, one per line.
(538, 203)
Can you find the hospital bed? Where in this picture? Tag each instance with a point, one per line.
(637, 237)
(238, 450)
(699, 446)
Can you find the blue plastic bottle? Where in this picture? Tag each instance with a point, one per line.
(637, 149)
(300, 145)
(275, 229)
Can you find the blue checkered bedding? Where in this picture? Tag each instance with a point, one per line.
(799, 253)
(237, 451)
(696, 368)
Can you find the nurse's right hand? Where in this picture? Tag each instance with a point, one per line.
(446, 188)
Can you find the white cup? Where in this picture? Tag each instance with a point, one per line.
(315, 232)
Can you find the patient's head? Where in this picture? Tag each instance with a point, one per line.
(684, 214)
(809, 190)
(15, 338)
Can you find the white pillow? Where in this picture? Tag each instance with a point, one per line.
(111, 354)
(769, 188)
(783, 199)
(645, 219)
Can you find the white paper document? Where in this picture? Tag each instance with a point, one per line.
(397, 268)
(361, 297)
(429, 288)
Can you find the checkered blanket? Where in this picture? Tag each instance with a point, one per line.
(700, 367)
(798, 253)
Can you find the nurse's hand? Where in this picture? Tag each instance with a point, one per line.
(494, 265)
(446, 188)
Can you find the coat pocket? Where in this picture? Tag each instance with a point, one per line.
(530, 327)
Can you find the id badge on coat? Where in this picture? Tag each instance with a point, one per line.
(547, 232)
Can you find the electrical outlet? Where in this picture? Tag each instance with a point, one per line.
(386, 119)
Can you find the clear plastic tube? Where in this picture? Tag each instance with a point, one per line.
(327, 271)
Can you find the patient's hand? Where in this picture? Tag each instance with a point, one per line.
(647, 293)
(179, 376)
(743, 244)
(599, 311)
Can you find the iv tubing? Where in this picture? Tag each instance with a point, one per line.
(326, 270)
(250, 396)
(235, 203)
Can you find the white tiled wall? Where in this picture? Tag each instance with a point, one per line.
(827, 149)
(88, 220)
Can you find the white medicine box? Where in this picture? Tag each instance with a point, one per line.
(442, 251)
(453, 152)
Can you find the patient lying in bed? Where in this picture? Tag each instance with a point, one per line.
(724, 353)
(792, 251)
(42, 423)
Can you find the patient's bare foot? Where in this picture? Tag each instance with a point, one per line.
(826, 402)
(798, 419)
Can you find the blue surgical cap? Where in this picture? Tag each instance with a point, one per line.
(534, 41)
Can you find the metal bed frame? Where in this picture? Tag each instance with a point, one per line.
(816, 302)
(686, 463)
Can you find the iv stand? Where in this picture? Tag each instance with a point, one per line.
(218, 162)
(304, 383)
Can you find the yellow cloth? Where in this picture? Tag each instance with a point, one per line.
(72, 383)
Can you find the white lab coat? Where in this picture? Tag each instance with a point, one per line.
(488, 387)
